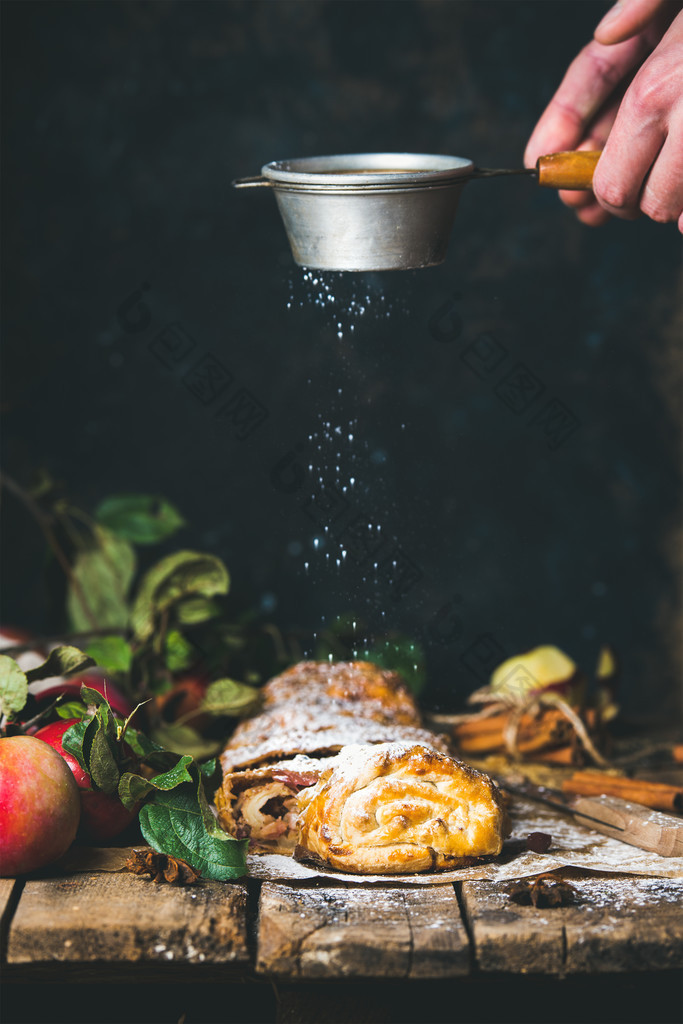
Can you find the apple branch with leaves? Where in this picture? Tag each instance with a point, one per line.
(165, 788)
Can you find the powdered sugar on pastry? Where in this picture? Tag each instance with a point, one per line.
(399, 807)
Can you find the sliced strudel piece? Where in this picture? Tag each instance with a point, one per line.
(399, 808)
(259, 804)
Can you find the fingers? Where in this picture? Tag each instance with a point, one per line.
(576, 199)
(598, 134)
(662, 196)
(585, 206)
(590, 80)
(644, 150)
(641, 168)
(618, 182)
(628, 17)
(594, 215)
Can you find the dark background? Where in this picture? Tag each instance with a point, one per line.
(124, 124)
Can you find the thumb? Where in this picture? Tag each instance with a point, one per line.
(629, 17)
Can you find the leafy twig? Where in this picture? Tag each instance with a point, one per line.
(68, 638)
(42, 715)
(130, 716)
(275, 635)
(45, 524)
(71, 511)
(159, 641)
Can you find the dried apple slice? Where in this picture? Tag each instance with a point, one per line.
(541, 670)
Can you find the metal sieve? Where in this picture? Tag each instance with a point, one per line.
(386, 211)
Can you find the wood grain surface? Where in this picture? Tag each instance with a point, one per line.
(10, 890)
(7, 886)
(122, 917)
(109, 921)
(615, 924)
(345, 931)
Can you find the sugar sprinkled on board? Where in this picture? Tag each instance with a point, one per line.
(628, 894)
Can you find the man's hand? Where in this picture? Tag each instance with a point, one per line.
(623, 94)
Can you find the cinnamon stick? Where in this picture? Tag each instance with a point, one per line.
(569, 755)
(657, 795)
(485, 735)
(525, 745)
(622, 780)
(496, 723)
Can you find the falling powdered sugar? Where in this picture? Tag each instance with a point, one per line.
(336, 294)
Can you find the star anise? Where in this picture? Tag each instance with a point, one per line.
(545, 890)
(162, 867)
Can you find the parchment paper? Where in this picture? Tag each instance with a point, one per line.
(572, 846)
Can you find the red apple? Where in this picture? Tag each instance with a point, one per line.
(183, 700)
(10, 636)
(103, 816)
(96, 678)
(39, 805)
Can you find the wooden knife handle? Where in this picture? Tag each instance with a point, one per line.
(572, 170)
(650, 830)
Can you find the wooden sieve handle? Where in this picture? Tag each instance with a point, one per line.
(572, 170)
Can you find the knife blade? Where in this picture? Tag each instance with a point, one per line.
(632, 823)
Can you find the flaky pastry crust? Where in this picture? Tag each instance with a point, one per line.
(314, 715)
(396, 808)
(353, 681)
(321, 742)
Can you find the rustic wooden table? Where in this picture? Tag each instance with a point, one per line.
(317, 952)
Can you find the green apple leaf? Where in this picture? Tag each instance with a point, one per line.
(195, 610)
(92, 697)
(13, 686)
(133, 788)
(112, 653)
(63, 661)
(402, 655)
(179, 653)
(208, 817)
(140, 518)
(207, 768)
(41, 484)
(174, 578)
(99, 749)
(72, 741)
(227, 697)
(72, 709)
(142, 745)
(105, 572)
(174, 823)
(184, 740)
(150, 752)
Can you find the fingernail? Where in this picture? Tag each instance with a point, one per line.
(611, 15)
